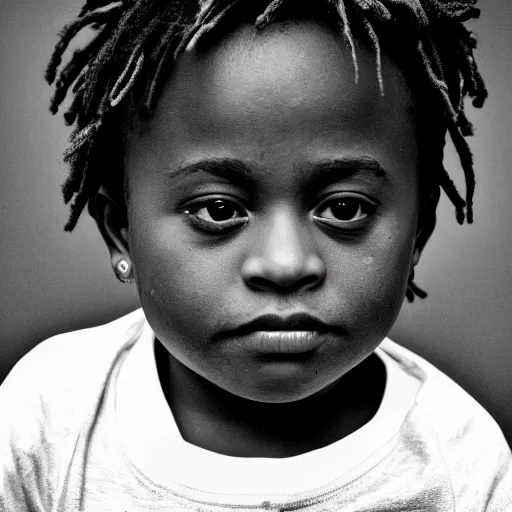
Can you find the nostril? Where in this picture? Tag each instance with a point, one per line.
(311, 281)
(261, 283)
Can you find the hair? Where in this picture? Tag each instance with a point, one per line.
(122, 69)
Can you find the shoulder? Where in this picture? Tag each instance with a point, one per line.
(470, 442)
(63, 373)
(76, 354)
(46, 400)
(455, 410)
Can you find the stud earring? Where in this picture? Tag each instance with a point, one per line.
(122, 270)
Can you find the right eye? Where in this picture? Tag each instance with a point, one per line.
(217, 215)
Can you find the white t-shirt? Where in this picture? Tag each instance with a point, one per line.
(84, 425)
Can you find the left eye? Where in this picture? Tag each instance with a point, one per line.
(345, 212)
(217, 215)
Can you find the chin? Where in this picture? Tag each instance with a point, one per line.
(282, 382)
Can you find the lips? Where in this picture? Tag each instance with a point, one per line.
(273, 334)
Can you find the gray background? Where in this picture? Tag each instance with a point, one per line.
(53, 282)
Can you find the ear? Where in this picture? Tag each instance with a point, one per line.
(426, 221)
(112, 221)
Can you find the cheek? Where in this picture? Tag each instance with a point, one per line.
(371, 278)
(387, 267)
(178, 281)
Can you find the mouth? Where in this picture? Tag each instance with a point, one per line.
(272, 334)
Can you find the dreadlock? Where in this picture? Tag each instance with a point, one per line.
(136, 42)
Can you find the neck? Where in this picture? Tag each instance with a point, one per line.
(212, 418)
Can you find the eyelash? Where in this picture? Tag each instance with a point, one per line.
(365, 209)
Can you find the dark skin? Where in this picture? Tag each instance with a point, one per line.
(227, 424)
(268, 182)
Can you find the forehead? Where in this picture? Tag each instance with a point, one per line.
(287, 89)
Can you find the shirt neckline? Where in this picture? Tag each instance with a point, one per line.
(150, 438)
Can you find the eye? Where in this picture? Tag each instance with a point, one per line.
(345, 212)
(217, 215)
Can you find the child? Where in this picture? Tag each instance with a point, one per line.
(267, 173)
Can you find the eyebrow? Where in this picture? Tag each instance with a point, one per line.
(323, 173)
(318, 174)
(231, 169)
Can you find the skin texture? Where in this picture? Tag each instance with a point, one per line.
(282, 103)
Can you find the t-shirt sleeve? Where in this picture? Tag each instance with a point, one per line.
(477, 456)
(480, 462)
(500, 488)
(27, 440)
(476, 453)
(47, 400)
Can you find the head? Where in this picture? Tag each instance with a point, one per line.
(268, 160)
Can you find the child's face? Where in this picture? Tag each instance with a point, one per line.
(301, 193)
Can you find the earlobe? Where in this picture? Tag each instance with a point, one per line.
(416, 256)
(112, 221)
(425, 228)
(426, 222)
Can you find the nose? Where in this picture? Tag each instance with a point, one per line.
(283, 258)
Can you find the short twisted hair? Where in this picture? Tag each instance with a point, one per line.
(136, 42)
